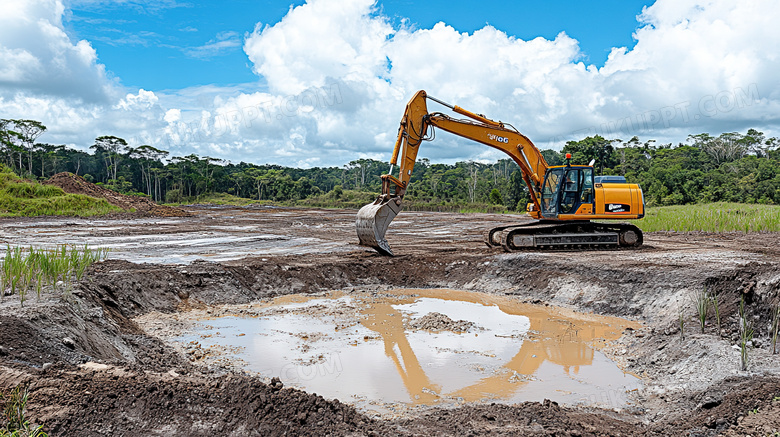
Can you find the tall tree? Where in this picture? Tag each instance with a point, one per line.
(726, 147)
(7, 135)
(589, 149)
(29, 131)
(472, 180)
(148, 157)
(111, 148)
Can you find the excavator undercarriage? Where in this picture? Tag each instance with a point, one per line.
(580, 235)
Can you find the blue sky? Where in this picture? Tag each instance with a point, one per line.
(163, 47)
(156, 46)
(324, 82)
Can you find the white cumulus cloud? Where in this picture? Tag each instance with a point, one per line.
(697, 66)
(335, 75)
(37, 56)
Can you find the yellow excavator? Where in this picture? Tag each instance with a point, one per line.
(565, 199)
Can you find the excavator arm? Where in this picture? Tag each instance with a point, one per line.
(414, 130)
(374, 219)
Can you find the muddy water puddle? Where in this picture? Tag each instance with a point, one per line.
(392, 350)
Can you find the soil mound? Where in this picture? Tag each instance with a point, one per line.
(73, 184)
(439, 322)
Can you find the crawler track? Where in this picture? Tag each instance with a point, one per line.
(579, 235)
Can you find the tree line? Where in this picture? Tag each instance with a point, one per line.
(731, 167)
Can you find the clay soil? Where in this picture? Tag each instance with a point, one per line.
(92, 370)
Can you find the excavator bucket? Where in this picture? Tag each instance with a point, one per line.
(373, 220)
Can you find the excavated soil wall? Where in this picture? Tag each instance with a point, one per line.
(149, 388)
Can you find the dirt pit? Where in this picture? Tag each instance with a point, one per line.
(103, 358)
(389, 351)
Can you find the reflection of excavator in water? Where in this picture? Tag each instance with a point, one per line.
(564, 199)
(548, 339)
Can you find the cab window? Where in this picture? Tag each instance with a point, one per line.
(570, 194)
(587, 185)
(550, 191)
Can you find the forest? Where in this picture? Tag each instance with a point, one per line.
(731, 167)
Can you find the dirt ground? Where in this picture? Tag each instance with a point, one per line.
(92, 369)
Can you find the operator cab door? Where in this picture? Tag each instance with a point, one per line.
(565, 190)
(551, 192)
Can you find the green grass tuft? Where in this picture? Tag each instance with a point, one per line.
(26, 270)
(712, 217)
(701, 300)
(26, 190)
(745, 336)
(22, 198)
(14, 422)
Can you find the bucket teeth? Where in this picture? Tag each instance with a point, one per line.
(373, 221)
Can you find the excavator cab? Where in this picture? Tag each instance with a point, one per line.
(565, 190)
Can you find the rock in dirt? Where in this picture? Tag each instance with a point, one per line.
(710, 402)
(276, 384)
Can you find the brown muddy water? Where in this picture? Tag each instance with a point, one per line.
(393, 350)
